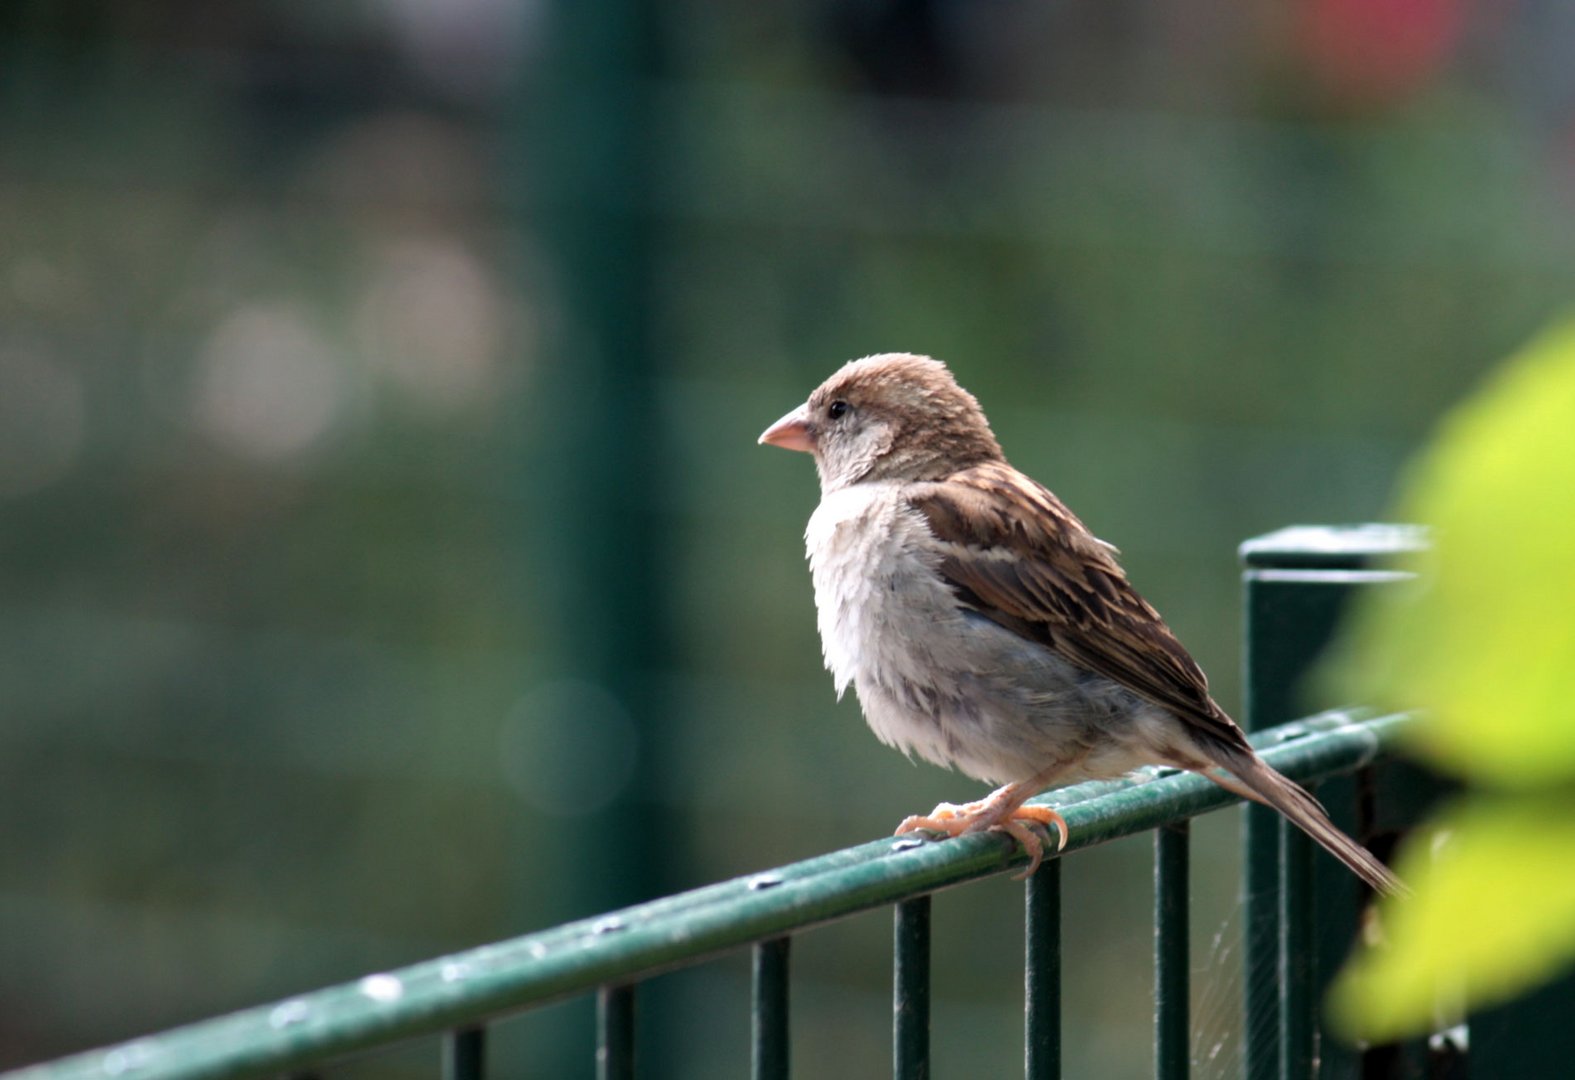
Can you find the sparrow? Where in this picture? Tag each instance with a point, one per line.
(985, 629)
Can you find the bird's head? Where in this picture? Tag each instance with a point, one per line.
(895, 416)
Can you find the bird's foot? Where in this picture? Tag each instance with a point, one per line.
(998, 815)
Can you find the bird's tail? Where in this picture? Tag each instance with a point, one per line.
(1289, 798)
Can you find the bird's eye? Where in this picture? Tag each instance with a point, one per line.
(837, 410)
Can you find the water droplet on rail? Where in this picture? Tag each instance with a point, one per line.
(907, 843)
(289, 1012)
(454, 971)
(765, 881)
(611, 924)
(383, 988)
(124, 1059)
(537, 950)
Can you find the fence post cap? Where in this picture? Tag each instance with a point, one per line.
(1351, 547)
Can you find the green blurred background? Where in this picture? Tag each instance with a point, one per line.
(388, 566)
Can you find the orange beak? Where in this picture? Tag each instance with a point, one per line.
(790, 433)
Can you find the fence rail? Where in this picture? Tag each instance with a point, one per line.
(610, 954)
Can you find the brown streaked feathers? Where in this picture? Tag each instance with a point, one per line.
(1062, 587)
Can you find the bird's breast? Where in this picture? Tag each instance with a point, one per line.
(891, 627)
(878, 597)
(935, 678)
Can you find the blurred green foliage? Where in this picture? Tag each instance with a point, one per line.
(283, 585)
(1485, 645)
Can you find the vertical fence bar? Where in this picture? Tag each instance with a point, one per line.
(464, 1054)
(615, 1033)
(911, 991)
(1172, 955)
(1338, 901)
(1042, 974)
(1298, 1003)
(1260, 984)
(769, 1035)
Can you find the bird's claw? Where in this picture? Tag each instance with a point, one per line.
(949, 819)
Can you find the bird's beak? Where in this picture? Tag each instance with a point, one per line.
(790, 433)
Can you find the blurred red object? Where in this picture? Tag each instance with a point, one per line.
(1379, 49)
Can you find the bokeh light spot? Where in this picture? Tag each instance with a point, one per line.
(431, 319)
(269, 386)
(569, 748)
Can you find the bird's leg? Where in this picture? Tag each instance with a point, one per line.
(1001, 811)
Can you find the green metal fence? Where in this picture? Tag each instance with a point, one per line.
(611, 955)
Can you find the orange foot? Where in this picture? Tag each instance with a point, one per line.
(1004, 812)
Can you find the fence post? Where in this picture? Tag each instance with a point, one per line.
(594, 468)
(1297, 582)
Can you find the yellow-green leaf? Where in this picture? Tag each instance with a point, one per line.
(1494, 913)
(1486, 643)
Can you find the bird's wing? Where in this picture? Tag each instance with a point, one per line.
(1013, 552)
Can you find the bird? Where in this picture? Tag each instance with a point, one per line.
(984, 628)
